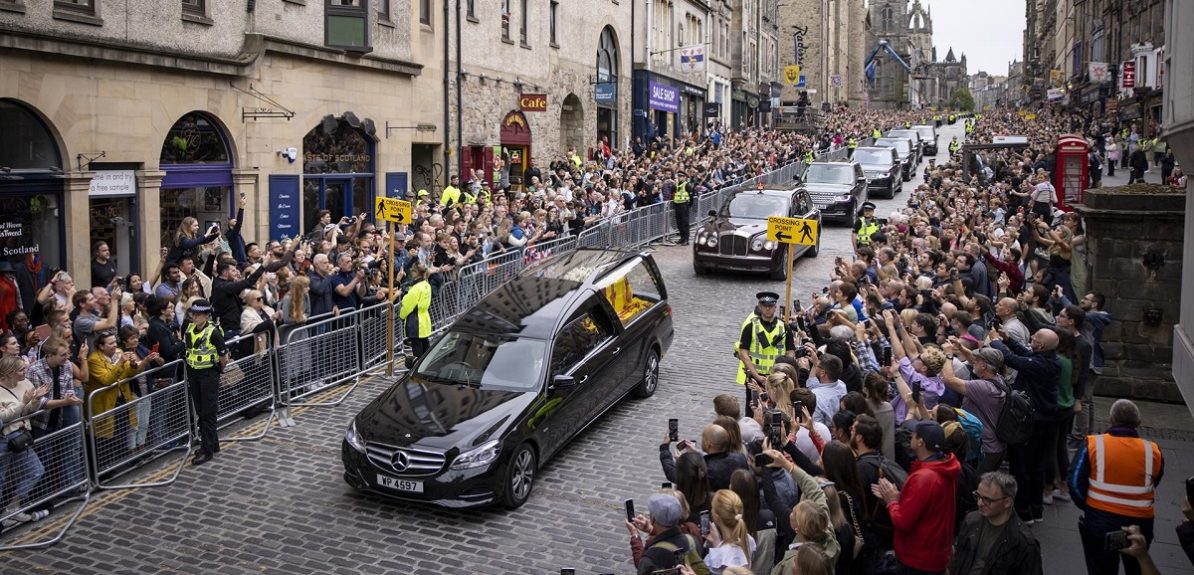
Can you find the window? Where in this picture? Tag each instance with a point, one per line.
(346, 25)
(506, 20)
(80, 6)
(551, 18)
(470, 9)
(632, 290)
(84, 11)
(575, 341)
(522, 25)
(425, 12)
(383, 10)
(194, 8)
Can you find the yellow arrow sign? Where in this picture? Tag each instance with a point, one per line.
(792, 230)
(392, 210)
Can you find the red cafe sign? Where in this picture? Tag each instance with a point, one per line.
(533, 102)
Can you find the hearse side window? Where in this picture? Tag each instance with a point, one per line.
(577, 339)
(631, 290)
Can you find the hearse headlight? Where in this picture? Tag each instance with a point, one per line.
(353, 438)
(482, 456)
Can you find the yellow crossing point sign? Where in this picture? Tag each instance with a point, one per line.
(792, 230)
(392, 210)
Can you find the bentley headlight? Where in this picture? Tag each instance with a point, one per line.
(712, 242)
(757, 245)
(769, 245)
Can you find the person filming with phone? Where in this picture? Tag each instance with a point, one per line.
(1114, 483)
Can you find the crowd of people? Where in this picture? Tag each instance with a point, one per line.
(920, 413)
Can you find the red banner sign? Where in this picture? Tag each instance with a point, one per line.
(1129, 75)
(533, 102)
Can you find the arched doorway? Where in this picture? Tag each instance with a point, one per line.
(32, 236)
(337, 170)
(516, 141)
(197, 158)
(608, 68)
(572, 124)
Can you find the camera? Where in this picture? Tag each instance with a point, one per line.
(673, 430)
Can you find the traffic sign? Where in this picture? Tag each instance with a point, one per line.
(792, 230)
(392, 210)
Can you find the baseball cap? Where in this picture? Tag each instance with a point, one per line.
(664, 509)
(991, 356)
(932, 434)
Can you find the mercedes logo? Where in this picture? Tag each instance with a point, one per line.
(401, 461)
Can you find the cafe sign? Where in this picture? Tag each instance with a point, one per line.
(533, 102)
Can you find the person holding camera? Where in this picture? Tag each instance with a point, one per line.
(667, 545)
(1114, 482)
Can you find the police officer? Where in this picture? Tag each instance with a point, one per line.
(682, 203)
(953, 146)
(866, 226)
(206, 356)
(763, 338)
(937, 120)
(850, 145)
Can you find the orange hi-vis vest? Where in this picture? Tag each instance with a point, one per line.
(1121, 474)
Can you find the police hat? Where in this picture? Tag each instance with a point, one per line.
(201, 306)
(868, 206)
(767, 297)
(681, 174)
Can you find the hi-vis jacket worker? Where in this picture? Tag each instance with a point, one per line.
(953, 146)
(866, 226)
(1114, 481)
(763, 338)
(206, 356)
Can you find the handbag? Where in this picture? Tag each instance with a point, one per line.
(21, 439)
(232, 375)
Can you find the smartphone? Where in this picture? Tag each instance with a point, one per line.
(666, 485)
(1116, 540)
(916, 392)
(678, 556)
(887, 356)
(629, 510)
(762, 460)
(155, 347)
(798, 407)
(673, 430)
(704, 523)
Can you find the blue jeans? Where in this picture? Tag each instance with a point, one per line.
(22, 470)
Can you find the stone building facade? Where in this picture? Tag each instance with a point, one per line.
(907, 27)
(537, 79)
(123, 118)
(829, 39)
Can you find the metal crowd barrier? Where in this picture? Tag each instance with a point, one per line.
(247, 383)
(48, 474)
(317, 356)
(125, 431)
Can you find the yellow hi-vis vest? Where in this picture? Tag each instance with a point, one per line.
(681, 195)
(765, 346)
(201, 354)
(851, 143)
(953, 147)
(866, 230)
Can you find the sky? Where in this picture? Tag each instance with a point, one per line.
(990, 32)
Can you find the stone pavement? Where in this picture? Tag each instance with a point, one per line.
(280, 507)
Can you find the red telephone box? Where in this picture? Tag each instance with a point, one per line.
(1072, 177)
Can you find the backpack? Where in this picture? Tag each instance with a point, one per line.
(892, 472)
(692, 558)
(1015, 416)
(974, 435)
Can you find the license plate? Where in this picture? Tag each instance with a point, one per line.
(399, 484)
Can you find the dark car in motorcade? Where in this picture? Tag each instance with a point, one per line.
(735, 238)
(883, 170)
(904, 149)
(928, 135)
(838, 189)
(513, 380)
(918, 148)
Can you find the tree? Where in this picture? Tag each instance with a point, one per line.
(961, 100)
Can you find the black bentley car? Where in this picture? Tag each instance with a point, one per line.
(905, 150)
(736, 238)
(838, 189)
(513, 380)
(882, 169)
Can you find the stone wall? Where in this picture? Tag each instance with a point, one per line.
(1134, 252)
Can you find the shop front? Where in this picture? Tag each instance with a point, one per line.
(692, 108)
(516, 141)
(32, 236)
(657, 106)
(197, 160)
(739, 113)
(338, 173)
(112, 194)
